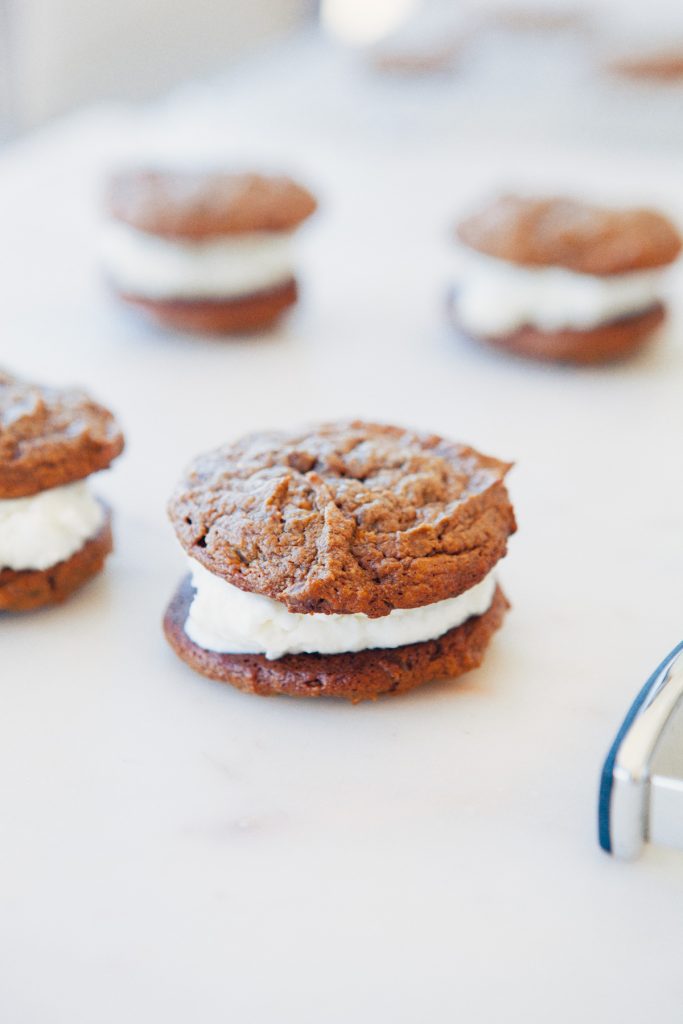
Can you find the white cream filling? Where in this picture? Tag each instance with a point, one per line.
(153, 267)
(226, 619)
(494, 297)
(45, 528)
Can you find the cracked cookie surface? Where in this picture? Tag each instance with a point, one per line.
(51, 436)
(346, 517)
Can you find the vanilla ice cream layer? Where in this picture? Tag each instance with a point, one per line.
(226, 619)
(152, 267)
(43, 529)
(495, 297)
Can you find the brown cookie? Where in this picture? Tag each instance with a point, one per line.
(195, 205)
(609, 342)
(567, 233)
(536, 17)
(229, 316)
(24, 590)
(50, 437)
(346, 517)
(666, 66)
(363, 675)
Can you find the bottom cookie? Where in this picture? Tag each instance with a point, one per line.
(363, 675)
(609, 342)
(227, 316)
(666, 66)
(26, 589)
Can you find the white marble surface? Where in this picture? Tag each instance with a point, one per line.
(172, 850)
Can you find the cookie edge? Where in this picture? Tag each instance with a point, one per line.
(58, 582)
(611, 342)
(359, 676)
(247, 314)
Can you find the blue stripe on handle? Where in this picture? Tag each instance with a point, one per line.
(607, 777)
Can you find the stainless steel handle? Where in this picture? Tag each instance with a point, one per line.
(637, 801)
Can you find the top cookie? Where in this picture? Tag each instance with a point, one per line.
(194, 205)
(567, 233)
(50, 437)
(346, 517)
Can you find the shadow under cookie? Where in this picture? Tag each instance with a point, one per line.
(26, 589)
(219, 316)
(357, 676)
(609, 342)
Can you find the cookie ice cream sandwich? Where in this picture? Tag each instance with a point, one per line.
(559, 279)
(204, 251)
(54, 533)
(348, 560)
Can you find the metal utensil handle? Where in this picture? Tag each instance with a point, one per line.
(623, 797)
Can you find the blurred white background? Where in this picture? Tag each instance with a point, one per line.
(68, 52)
(531, 66)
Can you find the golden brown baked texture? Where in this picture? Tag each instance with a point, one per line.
(525, 17)
(363, 675)
(51, 436)
(567, 233)
(27, 589)
(195, 205)
(346, 517)
(230, 316)
(609, 342)
(666, 66)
